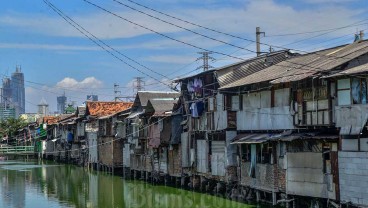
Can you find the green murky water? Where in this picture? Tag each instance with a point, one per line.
(38, 185)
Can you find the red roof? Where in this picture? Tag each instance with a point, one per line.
(100, 108)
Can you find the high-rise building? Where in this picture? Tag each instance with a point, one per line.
(92, 97)
(61, 103)
(6, 111)
(6, 93)
(18, 91)
(43, 107)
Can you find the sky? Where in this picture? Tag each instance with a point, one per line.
(56, 58)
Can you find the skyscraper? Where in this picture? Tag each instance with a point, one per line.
(6, 96)
(18, 91)
(61, 103)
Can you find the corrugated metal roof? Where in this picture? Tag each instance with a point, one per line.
(145, 96)
(161, 106)
(195, 75)
(228, 76)
(303, 66)
(354, 70)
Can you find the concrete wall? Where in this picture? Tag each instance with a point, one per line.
(110, 153)
(353, 168)
(305, 176)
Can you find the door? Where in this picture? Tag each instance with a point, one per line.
(218, 158)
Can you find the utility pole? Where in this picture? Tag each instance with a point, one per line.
(205, 57)
(117, 92)
(361, 35)
(258, 40)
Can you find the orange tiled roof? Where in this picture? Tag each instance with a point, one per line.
(100, 108)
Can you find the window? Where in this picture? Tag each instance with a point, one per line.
(235, 103)
(343, 92)
(352, 91)
(359, 91)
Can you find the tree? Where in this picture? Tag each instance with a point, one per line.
(10, 126)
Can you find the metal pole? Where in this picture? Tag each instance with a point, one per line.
(258, 40)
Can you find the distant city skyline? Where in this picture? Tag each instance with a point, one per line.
(13, 95)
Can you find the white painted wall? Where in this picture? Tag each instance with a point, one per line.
(351, 118)
(220, 115)
(257, 113)
(265, 118)
(202, 156)
(92, 145)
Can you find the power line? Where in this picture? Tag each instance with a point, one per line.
(171, 37)
(224, 33)
(309, 32)
(158, 33)
(178, 26)
(84, 31)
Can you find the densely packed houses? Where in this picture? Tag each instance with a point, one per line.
(284, 128)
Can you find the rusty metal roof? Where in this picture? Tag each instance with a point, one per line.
(303, 66)
(100, 108)
(50, 119)
(229, 75)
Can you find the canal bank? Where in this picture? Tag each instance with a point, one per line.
(48, 184)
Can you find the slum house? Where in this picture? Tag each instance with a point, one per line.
(65, 139)
(24, 136)
(288, 143)
(81, 135)
(99, 133)
(351, 114)
(159, 135)
(43, 134)
(210, 120)
(141, 157)
(110, 134)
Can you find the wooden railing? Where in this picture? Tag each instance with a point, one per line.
(16, 150)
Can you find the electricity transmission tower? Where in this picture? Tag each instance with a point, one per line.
(205, 57)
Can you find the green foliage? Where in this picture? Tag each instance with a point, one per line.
(11, 125)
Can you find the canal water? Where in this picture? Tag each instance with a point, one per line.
(41, 184)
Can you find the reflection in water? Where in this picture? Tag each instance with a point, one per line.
(50, 185)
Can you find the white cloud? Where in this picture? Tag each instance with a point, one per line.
(71, 83)
(271, 17)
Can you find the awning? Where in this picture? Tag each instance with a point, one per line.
(135, 114)
(310, 136)
(285, 137)
(251, 138)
